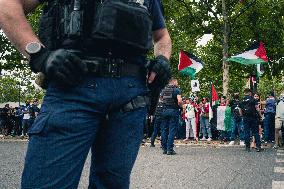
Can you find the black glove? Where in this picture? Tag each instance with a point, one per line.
(60, 66)
(161, 66)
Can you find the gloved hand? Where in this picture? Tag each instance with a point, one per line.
(161, 66)
(60, 66)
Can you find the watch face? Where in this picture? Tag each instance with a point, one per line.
(33, 47)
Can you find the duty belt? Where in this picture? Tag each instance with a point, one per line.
(112, 67)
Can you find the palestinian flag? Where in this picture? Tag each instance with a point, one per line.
(213, 101)
(214, 95)
(256, 54)
(189, 64)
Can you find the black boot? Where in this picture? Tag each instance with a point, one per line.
(248, 148)
(172, 152)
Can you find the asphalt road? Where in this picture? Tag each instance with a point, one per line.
(196, 167)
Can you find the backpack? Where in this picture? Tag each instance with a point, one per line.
(248, 106)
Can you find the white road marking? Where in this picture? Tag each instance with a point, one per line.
(279, 169)
(277, 184)
(278, 160)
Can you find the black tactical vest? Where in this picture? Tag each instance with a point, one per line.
(121, 23)
(169, 99)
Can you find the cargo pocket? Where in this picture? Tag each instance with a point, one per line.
(40, 122)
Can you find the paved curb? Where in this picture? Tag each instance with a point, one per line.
(212, 144)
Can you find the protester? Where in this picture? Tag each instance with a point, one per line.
(5, 119)
(26, 119)
(18, 121)
(269, 118)
(204, 120)
(33, 111)
(249, 107)
(224, 134)
(279, 120)
(237, 121)
(190, 120)
(197, 115)
(2, 118)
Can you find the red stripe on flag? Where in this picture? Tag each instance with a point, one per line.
(261, 52)
(184, 61)
(214, 94)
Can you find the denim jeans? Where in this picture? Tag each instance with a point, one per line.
(250, 124)
(25, 126)
(269, 126)
(157, 127)
(190, 124)
(237, 127)
(205, 127)
(170, 121)
(72, 122)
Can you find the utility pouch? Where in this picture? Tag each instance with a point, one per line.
(49, 24)
(125, 23)
(73, 21)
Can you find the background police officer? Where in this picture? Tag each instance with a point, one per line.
(96, 85)
(249, 108)
(156, 121)
(172, 102)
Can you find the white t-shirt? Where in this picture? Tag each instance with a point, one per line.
(26, 115)
(190, 113)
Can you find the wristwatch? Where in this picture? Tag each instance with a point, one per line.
(33, 48)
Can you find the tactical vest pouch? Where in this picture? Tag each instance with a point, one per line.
(48, 25)
(125, 23)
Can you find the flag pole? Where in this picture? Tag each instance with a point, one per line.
(211, 93)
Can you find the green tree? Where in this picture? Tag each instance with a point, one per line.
(189, 20)
(250, 20)
(15, 64)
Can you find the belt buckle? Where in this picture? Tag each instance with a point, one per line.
(92, 65)
(114, 67)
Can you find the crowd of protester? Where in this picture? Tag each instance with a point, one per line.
(15, 121)
(197, 125)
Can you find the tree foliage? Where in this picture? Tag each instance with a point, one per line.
(249, 20)
(20, 77)
(188, 21)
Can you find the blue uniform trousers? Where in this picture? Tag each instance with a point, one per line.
(250, 124)
(170, 121)
(72, 122)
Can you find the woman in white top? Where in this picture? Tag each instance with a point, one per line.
(190, 119)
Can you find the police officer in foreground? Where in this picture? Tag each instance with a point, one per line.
(93, 56)
(249, 108)
(172, 102)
